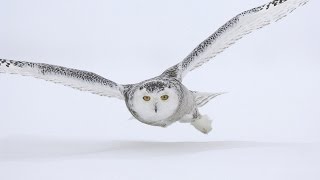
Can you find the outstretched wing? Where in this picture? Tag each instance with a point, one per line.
(82, 80)
(242, 24)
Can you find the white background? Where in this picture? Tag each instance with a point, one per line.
(266, 127)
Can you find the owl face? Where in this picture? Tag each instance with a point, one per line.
(155, 101)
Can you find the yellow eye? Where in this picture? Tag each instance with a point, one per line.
(164, 97)
(146, 98)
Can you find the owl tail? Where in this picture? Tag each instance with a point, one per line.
(203, 98)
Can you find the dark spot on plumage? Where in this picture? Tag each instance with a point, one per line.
(18, 63)
(155, 86)
(171, 72)
(275, 3)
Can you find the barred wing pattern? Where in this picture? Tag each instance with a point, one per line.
(242, 24)
(82, 80)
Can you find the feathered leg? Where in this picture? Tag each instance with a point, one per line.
(203, 124)
(200, 122)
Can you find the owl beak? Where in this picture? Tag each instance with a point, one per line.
(155, 108)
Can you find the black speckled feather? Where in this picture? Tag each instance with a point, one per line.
(82, 80)
(242, 24)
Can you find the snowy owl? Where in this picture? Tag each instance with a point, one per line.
(163, 100)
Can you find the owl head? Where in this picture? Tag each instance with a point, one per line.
(154, 100)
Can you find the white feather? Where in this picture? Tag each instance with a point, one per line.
(203, 124)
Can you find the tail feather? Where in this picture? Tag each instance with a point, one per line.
(202, 98)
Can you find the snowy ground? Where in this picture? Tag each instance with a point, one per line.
(45, 158)
(265, 127)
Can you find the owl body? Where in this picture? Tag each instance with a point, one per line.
(156, 111)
